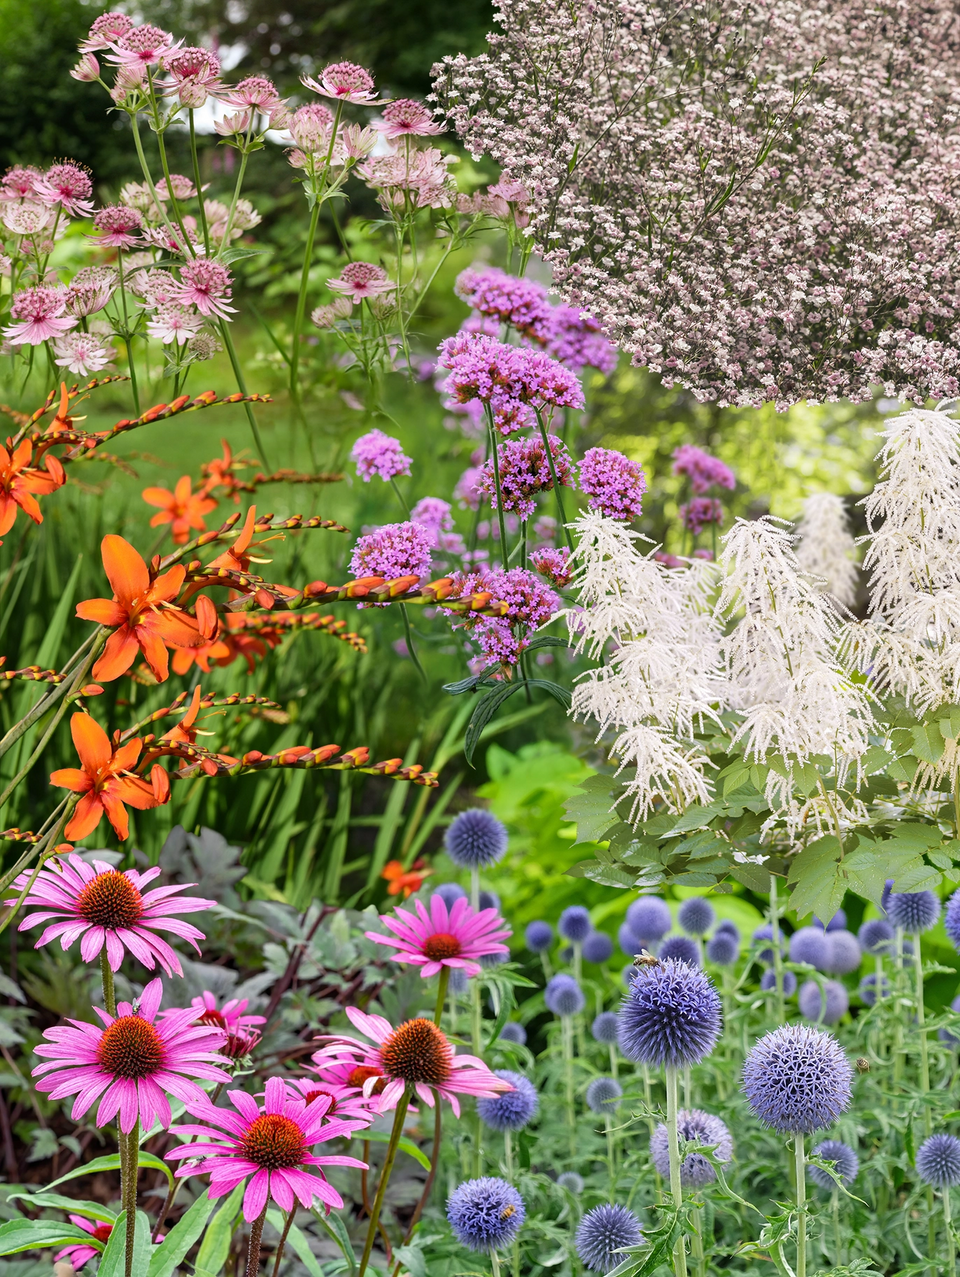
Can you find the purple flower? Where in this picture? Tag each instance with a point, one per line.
(876, 935)
(649, 918)
(694, 1126)
(846, 1163)
(844, 954)
(521, 303)
(395, 550)
(574, 337)
(703, 471)
(768, 982)
(797, 1080)
(603, 1094)
(563, 996)
(511, 1110)
(671, 1015)
(538, 936)
(513, 1031)
(485, 1214)
(602, 1235)
(810, 945)
(868, 991)
(575, 924)
(696, 915)
(613, 483)
(811, 1002)
(604, 1028)
(553, 564)
(467, 490)
(723, 949)
(951, 919)
(597, 948)
(379, 454)
(524, 472)
(765, 932)
(913, 910)
(681, 949)
(475, 839)
(508, 378)
(938, 1161)
(434, 514)
(700, 512)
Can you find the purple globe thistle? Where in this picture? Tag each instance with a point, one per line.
(649, 918)
(513, 1031)
(485, 1214)
(694, 1126)
(723, 949)
(604, 1028)
(765, 932)
(575, 924)
(681, 948)
(511, 1110)
(913, 910)
(629, 974)
(768, 982)
(886, 894)
(475, 839)
(603, 1094)
(837, 923)
(844, 954)
(810, 945)
(846, 1163)
(489, 960)
(395, 550)
(525, 472)
(571, 1181)
(538, 936)
(449, 893)
(938, 1161)
(812, 1004)
(951, 921)
(729, 928)
(628, 941)
(671, 1015)
(797, 1080)
(696, 915)
(602, 1235)
(564, 996)
(379, 454)
(613, 484)
(868, 989)
(488, 900)
(598, 947)
(876, 936)
(947, 1036)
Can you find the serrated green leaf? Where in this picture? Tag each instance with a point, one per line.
(820, 885)
(591, 807)
(927, 742)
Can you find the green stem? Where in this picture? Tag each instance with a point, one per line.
(775, 940)
(411, 649)
(614, 1061)
(673, 1145)
(556, 481)
(106, 976)
(242, 386)
(508, 1152)
(951, 1248)
(253, 1253)
(302, 297)
(400, 497)
(921, 1028)
(129, 1155)
(441, 994)
(197, 183)
(566, 1040)
(837, 1237)
(611, 1154)
(798, 1145)
(504, 556)
(494, 1264)
(696, 1242)
(283, 1240)
(385, 1174)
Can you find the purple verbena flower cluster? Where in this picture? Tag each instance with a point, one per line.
(525, 471)
(379, 454)
(510, 379)
(554, 564)
(398, 549)
(703, 470)
(613, 483)
(699, 513)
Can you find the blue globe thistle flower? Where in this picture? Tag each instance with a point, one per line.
(629, 943)
(868, 989)
(649, 918)
(629, 974)
(449, 892)
(847, 1164)
(475, 839)
(765, 953)
(797, 1079)
(696, 915)
(575, 924)
(947, 1036)
(563, 995)
(488, 900)
(571, 1181)
(513, 1031)
(876, 936)
(598, 947)
(812, 1004)
(486, 1214)
(938, 1161)
(768, 982)
(603, 1233)
(723, 949)
(671, 1015)
(837, 923)
(489, 960)
(538, 936)
(810, 945)
(886, 894)
(680, 949)
(726, 926)
(511, 1110)
(604, 1028)
(913, 910)
(844, 954)
(458, 981)
(693, 1125)
(603, 1094)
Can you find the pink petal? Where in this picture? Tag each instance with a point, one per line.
(255, 1198)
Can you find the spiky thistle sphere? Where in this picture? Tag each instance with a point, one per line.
(723, 949)
(726, 926)
(876, 936)
(868, 989)
(765, 951)
(812, 1006)
(768, 982)
(511, 1110)
(696, 915)
(680, 949)
(488, 900)
(628, 941)
(512, 1031)
(847, 1164)
(837, 923)
(628, 974)
(575, 924)
(458, 981)
(649, 918)
(886, 894)
(703, 1128)
(938, 1161)
(603, 1093)
(602, 1234)
(604, 1028)
(671, 1015)
(844, 954)
(475, 839)
(571, 1181)
(913, 910)
(450, 893)
(598, 947)
(564, 996)
(538, 936)
(951, 921)
(810, 945)
(797, 1079)
(486, 1214)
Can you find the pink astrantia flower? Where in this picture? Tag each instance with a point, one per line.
(456, 938)
(376, 453)
(417, 1055)
(82, 353)
(118, 226)
(269, 1146)
(701, 469)
(87, 69)
(109, 909)
(345, 82)
(205, 285)
(613, 483)
(39, 312)
(78, 1254)
(106, 29)
(258, 93)
(395, 550)
(310, 126)
(19, 182)
(141, 47)
(174, 323)
(360, 280)
(68, 185)
(407, 118)
(133, 1062)
(243, 1032)
(194, 75)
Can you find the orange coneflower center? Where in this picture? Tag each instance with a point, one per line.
(317, 1095)
(441, 945)
(274, 1142)
(102, 1232)
(359, 1075)
(110, 900)
(213, 1018)
(417, 1052)
(131, 1048)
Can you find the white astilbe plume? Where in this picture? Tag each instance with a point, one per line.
(826, 546)
(911, 641)
(783, 672)
(663, 678)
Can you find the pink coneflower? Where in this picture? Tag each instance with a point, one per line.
(82, 353)
(205, 285)
(344, 1102)
(106, 30)
(407, 118)
(40, 315)
(19, 182)
(242, 1030)
(109, 909)
(118, 226)
(416, 1054)
(78, 1254)
(68, 185)
(344, 82)
(131, 1062)
(269, 1145)
(456, 938)
(141, 47)
(361, 280)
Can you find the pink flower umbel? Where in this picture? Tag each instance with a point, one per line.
(361, 280)
(407, 118)
(133, 1062)
(206, 285)
(78, 1254)
(118, 226)
(100, 907)
(345, 82)
(39, 312)
(458, 937)
(376, 453)
(242, 1030)
(395, 550)
(69, 185)
(416, 1054)
(270, 1146)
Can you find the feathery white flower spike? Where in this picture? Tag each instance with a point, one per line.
(826, 547)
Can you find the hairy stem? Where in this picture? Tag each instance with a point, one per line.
(129, 1167)
(283, 1240)
(106, 977)
(385, 1174)
(673, 1145)
(253, 1253)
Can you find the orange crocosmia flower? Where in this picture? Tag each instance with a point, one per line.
(182, 508)
(21, 483)
(143, 612)
(406, 880)
(105, 780)
(220, 473)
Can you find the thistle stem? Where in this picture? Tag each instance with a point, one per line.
(951, 1248)
(799, 1149)
(837, 1237)
(494, 1264)
(253, 1254)
(106, 976)
(673, 1145)
(385, 1174)
(566, 1039)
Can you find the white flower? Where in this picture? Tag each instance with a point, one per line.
(82, 353)
(826, 546)
(174, 323)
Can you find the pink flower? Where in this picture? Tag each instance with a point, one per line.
(613, 483)
(359, 280)
(395, 550)
(524, 472)
(241, 1030)
(456, 938)
(261, 94)
(90, 290)
(344, 1101)
(174, 323)
(86, 71)
(194, 75)
(206, 285)
(376, 453)
(521, 303)
(270, 1146)
(182, 187)
(68, 185)
(467, 490)
(106, 29)
(407, 118)
(364, 1082)
(19, 182)
(40, 315)
(701, 469)
(235, 124)
(310, 126)
(700, 511)
(554, 564)
(118, 226)
(574, 337)
(434, 514)
(345, 82)
(109, 909)
(141, 47)
(78, 1254)
(82, 353)
(417, 1055)
(133, 1062)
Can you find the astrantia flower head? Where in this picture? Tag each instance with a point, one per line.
(603, 1233)
(141, 47)
(876, 935)
(456, 938)
(525, 472)
(205, 284)
(106, 29)
(723, 949)
(797, 1080)
(360, 281)
(575, 923)
(844, 954)
(133, 1062)
(671, 1015)
(406, 118)
(810, 945)
(393, 551)
(475, 839)
(344, 82)
(513, 1110)
(696, 915)
(118, 226)
(310, 127)
(69, 185)
(680, 949)
(694, 1126)
(82, 353)
(563, 996)
(788, 982)
(846, 1164)
(649, 918)
(613, 484)
(702, 470)
(812, 1006)
(376, 453)
(39, 313)
(913, 910)
(938, 1161)
(597, 948)
(603, 1094)
(194, 75)
(485, 1214)
(538, 936)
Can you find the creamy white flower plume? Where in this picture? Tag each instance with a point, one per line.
(826, 547)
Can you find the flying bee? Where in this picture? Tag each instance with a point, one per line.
(507, 1211)
(863, 1066)
(644, 959)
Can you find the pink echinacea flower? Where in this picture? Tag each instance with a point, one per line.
(458, 937)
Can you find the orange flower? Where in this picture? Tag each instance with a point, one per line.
(406, 880)
(144, 613)
(105, 780)
(181, 507)
(220, 473)
(19, 481)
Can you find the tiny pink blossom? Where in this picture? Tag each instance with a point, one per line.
(142, 47)
(106, 29)
(613, 483)
(703, 470)
(19, 182)
(345, 82)
(376, 453)
(553, 564)
(87, 69)
(393, 551)
(524, 472)
(118, 226)
(90, 290)
(361, 280)
(457, 938)
(699, 512)
(69, 185)
(40, 315)
(258, 93)
(206, 285)
(407, 118)
(82, 353)
(174, 323)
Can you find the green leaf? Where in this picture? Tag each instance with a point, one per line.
(927, 742)
(591, 806)
(54, 1201)
(482, 714)
(820, 886)
(114, 1256)
(335, 1228)
(215, 1246)
(297, 1241)
(406, 1145)
(112, 1163)
(39, 1234)
(180, 1238)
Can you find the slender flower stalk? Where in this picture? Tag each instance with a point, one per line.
(392, 1146)
(676, 1191)
(799, 1147)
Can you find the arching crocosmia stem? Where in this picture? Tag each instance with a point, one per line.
(396, 1132)
(673, 1144)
